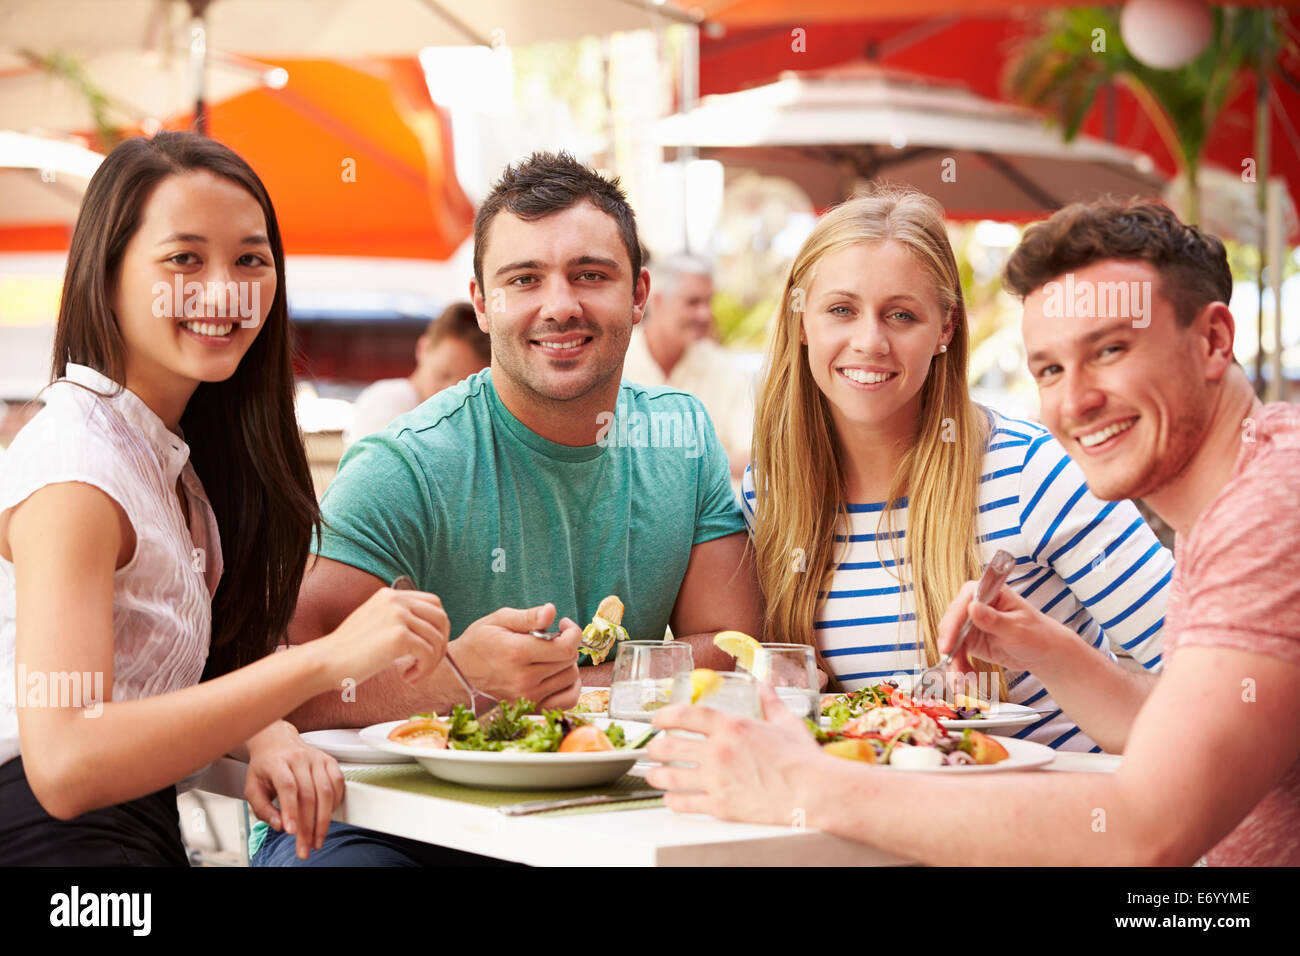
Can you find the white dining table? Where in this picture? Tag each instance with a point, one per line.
(643, 837)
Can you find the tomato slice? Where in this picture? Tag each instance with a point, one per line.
(421, 731)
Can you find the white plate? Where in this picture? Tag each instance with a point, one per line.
(1002, 715)
(1024, 755)
(345, 746)
(510, 770)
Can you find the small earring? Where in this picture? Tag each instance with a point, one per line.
(943, 348)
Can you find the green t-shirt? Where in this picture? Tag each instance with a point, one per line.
(485, 513)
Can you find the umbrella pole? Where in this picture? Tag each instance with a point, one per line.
(199, 63)
(1275, 241)
(1261, 199)
(688, 99)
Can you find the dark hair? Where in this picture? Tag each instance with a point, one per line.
(243, 436)
(545, 183)
(460, 321)
(1193, 265)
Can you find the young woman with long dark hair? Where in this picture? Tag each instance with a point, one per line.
(155, 519)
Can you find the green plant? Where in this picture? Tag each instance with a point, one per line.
(1078, 51)
(740, 324)
(66, 67)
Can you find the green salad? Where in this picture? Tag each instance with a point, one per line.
(514, 728)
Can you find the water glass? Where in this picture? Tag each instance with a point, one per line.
(643, 677)
(737, 694)
(791, 671)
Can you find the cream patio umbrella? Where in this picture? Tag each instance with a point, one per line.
(183, 34)
(830, 130)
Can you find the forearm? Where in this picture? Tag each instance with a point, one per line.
(386, 696)
(136, 747)
(1022, 819)
(597, 675)
(704, 654)
(1097, 693)
(273, 733)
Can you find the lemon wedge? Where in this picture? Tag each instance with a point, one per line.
(739, 645)
(703, 683)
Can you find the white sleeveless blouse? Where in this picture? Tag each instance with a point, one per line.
(162, 598)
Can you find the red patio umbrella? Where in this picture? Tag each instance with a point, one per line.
(972, 45)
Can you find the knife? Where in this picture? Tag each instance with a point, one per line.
(541, 806)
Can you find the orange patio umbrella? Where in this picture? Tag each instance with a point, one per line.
(356, 156)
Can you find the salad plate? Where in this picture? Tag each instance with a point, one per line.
(515, 769)
(1023, 755)
(346, 746)
(972, 713)
(1001, 716)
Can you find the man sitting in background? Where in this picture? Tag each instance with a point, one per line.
(676, 348)
(452, 348)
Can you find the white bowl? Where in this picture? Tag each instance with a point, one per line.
(513, 770)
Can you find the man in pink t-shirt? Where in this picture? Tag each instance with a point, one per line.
(1129, 340)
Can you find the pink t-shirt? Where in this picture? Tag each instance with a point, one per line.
(1237, 584)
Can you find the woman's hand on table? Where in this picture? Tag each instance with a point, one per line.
(745, 769)
(306, 781)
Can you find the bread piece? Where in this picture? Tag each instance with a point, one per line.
(611, 609)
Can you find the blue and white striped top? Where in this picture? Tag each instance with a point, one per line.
(1093, 565)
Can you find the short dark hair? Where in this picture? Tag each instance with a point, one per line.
(460, 321)
(1192, 265)
(545, 183)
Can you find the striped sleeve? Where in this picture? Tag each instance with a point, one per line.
(747, 499)
(1102, 552)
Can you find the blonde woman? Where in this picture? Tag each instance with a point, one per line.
(879, 487)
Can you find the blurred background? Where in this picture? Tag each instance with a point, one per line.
(732, 124)
(377, 125)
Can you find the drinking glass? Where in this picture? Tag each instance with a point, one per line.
(791, 671)
(643, 677)
(736, 694)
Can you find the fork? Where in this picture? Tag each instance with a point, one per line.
(554, 632)
(404, 583)
(995, 575)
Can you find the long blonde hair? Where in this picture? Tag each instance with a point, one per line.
(798, 477)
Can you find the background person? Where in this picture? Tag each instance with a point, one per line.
(674, 346)
(452, 348)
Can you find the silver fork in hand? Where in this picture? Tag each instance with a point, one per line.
(995, 575)
(554, 632)
(479, 702)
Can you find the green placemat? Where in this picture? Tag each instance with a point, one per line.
(413, 778)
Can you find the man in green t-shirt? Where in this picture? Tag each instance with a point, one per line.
(530, 491)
